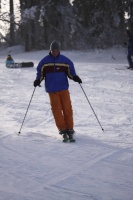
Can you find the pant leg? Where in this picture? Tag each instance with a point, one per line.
(129, 58)
(56, 108)
(67, 108)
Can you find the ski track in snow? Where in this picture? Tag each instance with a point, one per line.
(67, 165)
(37, 165)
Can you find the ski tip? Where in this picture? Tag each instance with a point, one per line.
(72, 140)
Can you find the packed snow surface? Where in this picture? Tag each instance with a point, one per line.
(37, 165)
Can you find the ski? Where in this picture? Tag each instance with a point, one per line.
(66, 140)
(20, 65)
(126, 67)
(120, 68)
(72, 140)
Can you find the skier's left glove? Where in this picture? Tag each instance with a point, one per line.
(36, 83)
(77, 79)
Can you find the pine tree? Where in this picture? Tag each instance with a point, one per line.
(101, 22)
(57, 22)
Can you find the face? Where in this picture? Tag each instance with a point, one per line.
(55, 52)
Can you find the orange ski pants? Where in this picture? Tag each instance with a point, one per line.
(62, 109)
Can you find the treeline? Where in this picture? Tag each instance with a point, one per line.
(80, 25)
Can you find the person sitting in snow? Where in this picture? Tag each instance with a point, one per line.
(9, 60)
(55, 68)
(130, 49)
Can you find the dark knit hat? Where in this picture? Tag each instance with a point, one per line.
(54, 45)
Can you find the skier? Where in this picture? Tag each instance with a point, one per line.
(55, 68)
(130, 49)
(9, 60)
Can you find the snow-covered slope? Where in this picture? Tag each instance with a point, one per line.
(36, 165)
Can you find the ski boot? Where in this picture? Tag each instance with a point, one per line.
(64, 134)
(70, 135)
(65, 138)
(130, 67)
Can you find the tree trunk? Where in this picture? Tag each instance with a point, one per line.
(11, 23)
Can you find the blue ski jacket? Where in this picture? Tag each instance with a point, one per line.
(55, 71)
(8, 62)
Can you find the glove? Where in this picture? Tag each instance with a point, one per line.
(77, 79)
(36, 83)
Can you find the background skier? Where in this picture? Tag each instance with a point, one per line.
(130, 49)
(9, 60)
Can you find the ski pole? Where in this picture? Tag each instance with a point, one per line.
(91, 107)
(26, 111)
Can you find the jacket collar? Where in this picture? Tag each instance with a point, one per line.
(53, 56)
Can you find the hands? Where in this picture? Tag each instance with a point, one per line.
(77, 79)
(36, 83)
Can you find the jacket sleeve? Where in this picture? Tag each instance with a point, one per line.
(71, 69)
(39, 75)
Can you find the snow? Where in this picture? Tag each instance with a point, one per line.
(36, 164)
(29, 13)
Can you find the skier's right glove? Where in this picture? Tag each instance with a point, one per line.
(36, 83)
(77, 79)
